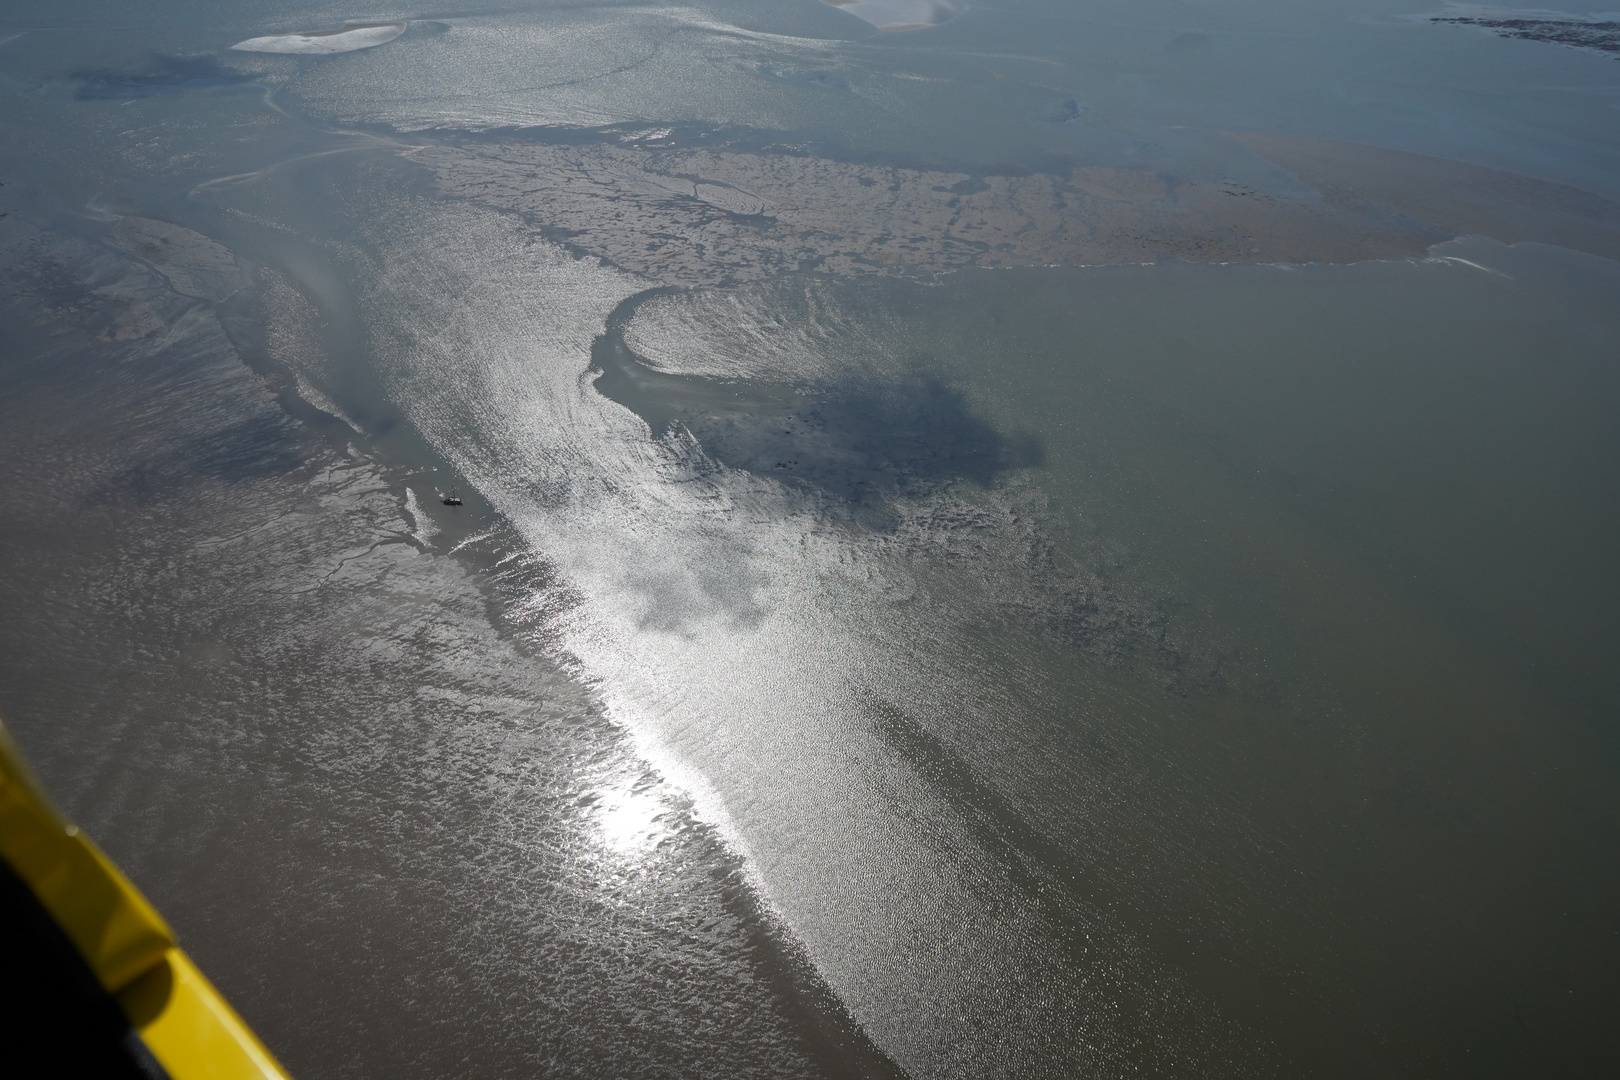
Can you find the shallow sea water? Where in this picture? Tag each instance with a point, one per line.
(1180, 669)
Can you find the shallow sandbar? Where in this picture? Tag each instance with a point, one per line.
(345, 38)
(900, 14)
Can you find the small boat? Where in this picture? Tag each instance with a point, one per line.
(451, 499)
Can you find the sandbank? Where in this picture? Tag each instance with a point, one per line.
(897, 15)
(698, 216)
(346, 38)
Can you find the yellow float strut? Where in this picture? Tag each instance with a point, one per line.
(187, 1025)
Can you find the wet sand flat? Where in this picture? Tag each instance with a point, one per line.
(705, 217)
(1452, 196)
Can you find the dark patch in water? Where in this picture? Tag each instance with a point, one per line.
(824, 79)
(168, 75)
(1025, 855)
(852, 438)
(1061, 112)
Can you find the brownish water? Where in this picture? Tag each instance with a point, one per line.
(1023, 547)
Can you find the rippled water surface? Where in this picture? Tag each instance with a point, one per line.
(998, 540)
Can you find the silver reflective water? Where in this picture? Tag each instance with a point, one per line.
(866, 647)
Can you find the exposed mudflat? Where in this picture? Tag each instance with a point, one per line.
(687, 217)
(192, 264)
(1599, 36)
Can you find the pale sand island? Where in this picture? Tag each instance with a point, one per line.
(346, 38)
(688, 217)
(895, 15)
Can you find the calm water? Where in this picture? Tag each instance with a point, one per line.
(979, 668)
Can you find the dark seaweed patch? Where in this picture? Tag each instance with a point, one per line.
(167, 75)
(1061, 112)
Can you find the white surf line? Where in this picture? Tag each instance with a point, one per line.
(238, 178)
(396, 144)
(313, 396)
(473, 539)
(422, 526)
(270, 100)
(1467, 262)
